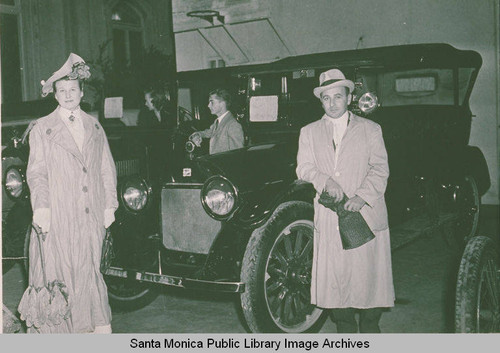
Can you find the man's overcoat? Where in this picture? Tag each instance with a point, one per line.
(77, 187)
(361, 277)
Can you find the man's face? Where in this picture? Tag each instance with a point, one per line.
(335, 101)
(216, 105)
(68, 94)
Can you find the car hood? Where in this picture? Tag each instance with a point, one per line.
(253, 167)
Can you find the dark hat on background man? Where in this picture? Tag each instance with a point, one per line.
(332, 78)
(74, 69)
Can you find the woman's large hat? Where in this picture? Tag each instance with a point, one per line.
(332, 78)
(74, 68)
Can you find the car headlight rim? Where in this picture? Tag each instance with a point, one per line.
(368, 102)
(231, 196)
(14, 183)
(135, 195)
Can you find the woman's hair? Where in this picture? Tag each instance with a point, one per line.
(80, 83)
(224, 95)
(159, 97)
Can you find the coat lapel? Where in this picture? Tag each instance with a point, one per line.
(224, 122)
(325, 142)
(58, 133)
(349, 132)
(90, 127)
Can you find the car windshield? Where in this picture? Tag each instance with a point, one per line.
(418, 87)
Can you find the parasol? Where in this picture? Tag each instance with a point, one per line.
(46, 305)
(354, 230)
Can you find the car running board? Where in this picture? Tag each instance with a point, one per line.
(174, 281)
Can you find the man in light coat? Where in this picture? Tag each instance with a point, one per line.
(72, 181)
(345, 154)
(225, 133)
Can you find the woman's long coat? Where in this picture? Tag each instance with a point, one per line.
(77, 187)
(361, 277)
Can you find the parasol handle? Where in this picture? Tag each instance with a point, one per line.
(38, 231)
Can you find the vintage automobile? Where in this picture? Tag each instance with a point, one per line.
(241, 222)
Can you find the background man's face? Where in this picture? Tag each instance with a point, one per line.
(216, 105)
(68, 94)
(335, 101)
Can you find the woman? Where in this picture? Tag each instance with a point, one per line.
(72, 180)
(157, 101)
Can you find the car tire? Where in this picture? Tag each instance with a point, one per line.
(276, 270)
(126, 295)
(26, 253)
(477, 304)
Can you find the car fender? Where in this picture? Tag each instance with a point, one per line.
(255, 210)
(474, 164)
(230, 244)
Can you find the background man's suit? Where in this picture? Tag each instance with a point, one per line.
(227, 136)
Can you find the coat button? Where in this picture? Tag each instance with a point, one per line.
(49, 131)
(337, 173)
(85, 189)
(84, 170)
(87, 210)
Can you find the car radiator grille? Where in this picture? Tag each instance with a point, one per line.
(127, 167)
(185, 224)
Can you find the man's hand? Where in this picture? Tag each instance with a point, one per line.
(334, 190)
(354, 204)
(196, 138)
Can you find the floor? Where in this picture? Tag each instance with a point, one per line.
(424, 279)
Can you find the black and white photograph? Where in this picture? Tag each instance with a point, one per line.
(249, 167)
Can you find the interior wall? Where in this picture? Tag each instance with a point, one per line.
(51, 29)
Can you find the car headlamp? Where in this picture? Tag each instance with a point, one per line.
(135, 194)
(368, 102)
(14, 182)
(219, 197)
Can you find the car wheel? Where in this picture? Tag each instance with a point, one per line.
(276, 270)
(477, 305)
(468, 203)
(26, 252)
(124, 294)
(128, 294)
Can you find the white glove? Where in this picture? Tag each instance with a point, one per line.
(41, 217)
(109, 217)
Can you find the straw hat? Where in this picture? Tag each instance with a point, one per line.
(74, 68)
(332, 78)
